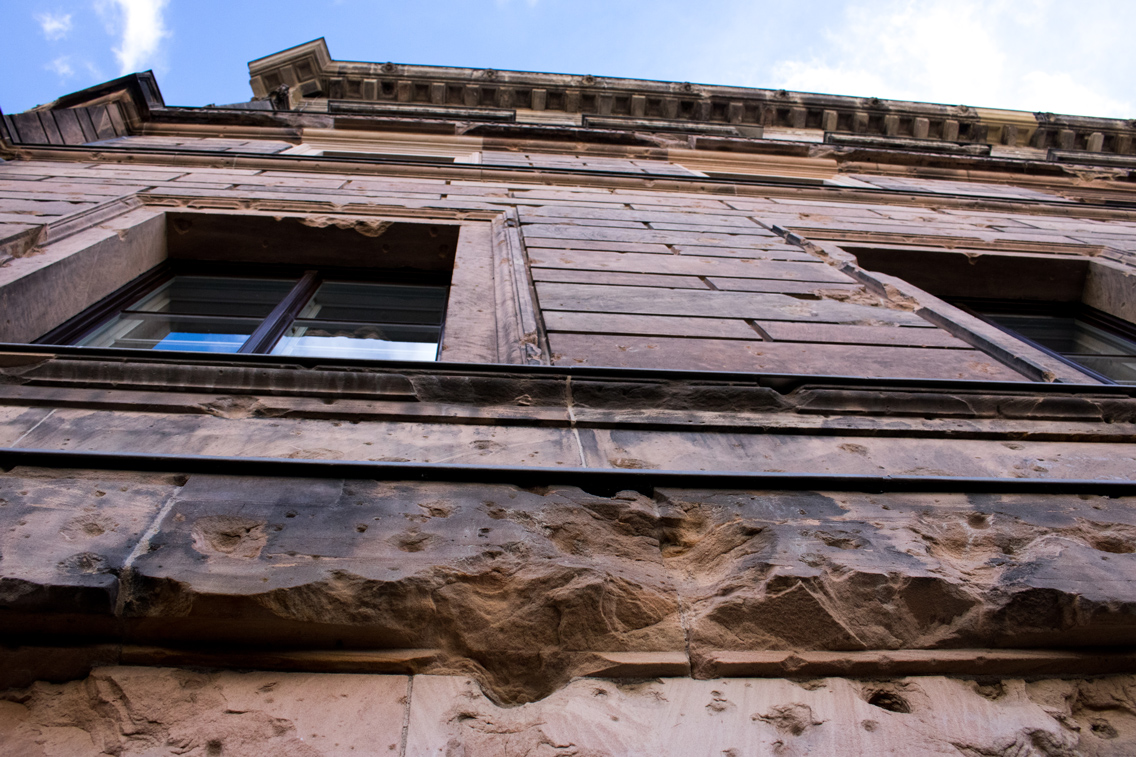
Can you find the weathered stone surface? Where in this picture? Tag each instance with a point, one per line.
(519, 586)
(525, 589)
(145, 712)
(65, 541)
(843, 571)
(631, 351)
(164, 711)
(232, 432)
(860, 455)
(743, 717)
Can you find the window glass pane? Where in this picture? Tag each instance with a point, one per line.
(377, 303)
(216, 295)
(366, 341)
(168, 332)
(1122, 370)
(1110, 355)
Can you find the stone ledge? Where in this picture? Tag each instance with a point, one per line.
(911, 662)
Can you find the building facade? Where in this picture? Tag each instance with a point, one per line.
(430, 411)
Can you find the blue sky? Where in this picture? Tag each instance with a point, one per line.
(1049, 55)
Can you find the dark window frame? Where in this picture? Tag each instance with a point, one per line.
(983, 308)
(271, 328)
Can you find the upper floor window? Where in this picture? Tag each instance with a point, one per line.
(1102, 345)
(317, 313)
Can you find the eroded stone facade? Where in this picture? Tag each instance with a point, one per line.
(711, 462)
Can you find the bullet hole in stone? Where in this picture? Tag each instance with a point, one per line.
(841, 539)
(978, 520)
(361, 528)
(1102, 729)
(290, 514)
(84, 563)
(888, 700)
(100, 493)
(869, 725)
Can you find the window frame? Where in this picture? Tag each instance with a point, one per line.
(984, 308)
(272, 326)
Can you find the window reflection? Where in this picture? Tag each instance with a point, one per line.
(342, 319)
(1109, 354)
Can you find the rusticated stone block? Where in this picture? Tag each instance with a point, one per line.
(64, 542)
(951, 571)
(128, 710)
(524, 586)
(132, 711)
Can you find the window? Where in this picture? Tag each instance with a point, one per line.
(1093, 341)
(313, 313)
(1073, 307)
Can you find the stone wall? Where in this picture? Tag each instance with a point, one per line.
(144, 711)
(896, 529)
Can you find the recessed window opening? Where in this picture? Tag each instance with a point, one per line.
(1089, 339)
(1045, 301)
(314, 313)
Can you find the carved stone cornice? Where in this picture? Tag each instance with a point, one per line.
(311, 74)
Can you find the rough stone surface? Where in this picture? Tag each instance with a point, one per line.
(744, 717)
(524, 589)
(152, 712)
(163, 711)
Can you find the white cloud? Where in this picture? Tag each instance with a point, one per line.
(141, 29)
(55, 25)
(61, 66)
(1028, 55)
